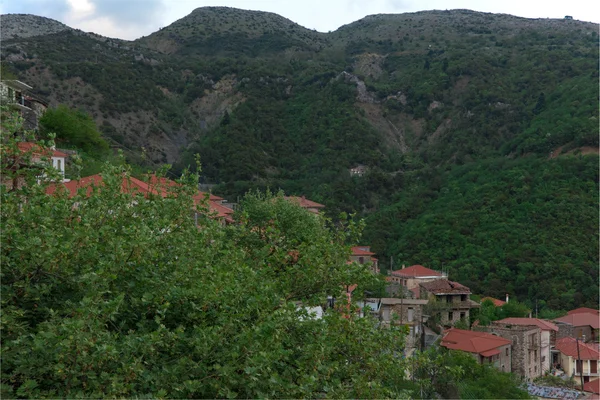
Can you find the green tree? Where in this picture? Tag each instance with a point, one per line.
(105, 295)
(74, 128)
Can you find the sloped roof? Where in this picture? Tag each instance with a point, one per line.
(497, 303)
(304, 202)
(473, 342)
(568, 346)
(583, 310)
(592, 386)
(362, 251)
(581, 319)
(135, 186)
(416, 271)
(36, 149)
(540, 323)
(444, 286)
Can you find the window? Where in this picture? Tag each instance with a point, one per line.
(59, 164)
(361, 260)
(463, 297)
(593, 366)
(462, 315)
(578, 366)
(450, 316)
(506, 352)
(449, 299)
(535, 355)
(411, 312)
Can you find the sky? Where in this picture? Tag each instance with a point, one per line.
(131, 19)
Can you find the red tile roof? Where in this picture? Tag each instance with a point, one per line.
(135, 186)
(473, 342)
(444, 286)
(415, 271)
(592, 386)
(583, 310)
(304, 202)
(581, 319)
(540, 323)
(36, 149)
(362, 251)
(497, 303)
(568, 346)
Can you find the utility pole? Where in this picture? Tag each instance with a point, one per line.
(579, 363)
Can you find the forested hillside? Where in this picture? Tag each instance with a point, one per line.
(479, 131)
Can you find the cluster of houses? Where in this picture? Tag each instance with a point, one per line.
(431, 306)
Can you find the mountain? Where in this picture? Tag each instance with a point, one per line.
(429, 103)
(27, 25)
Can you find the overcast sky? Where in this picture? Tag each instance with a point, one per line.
(130, 19)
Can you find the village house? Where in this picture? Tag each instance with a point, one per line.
(574, 356)
(579, 323)
(496, 302)
(305, 203)
(153, 187)
(364, 255)
(27, 157)
(408, 312)
(411, 277)
(17, 95)
(547, 329)
(450, 300)
(484, 347)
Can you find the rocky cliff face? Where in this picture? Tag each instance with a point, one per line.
(26, 25)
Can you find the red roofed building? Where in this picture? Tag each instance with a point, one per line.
(496, 302)
(452, 300)
(162, 187)
(576, 356)
(303, 202)
(485, 347)
(537, 349)
(27, 156)
(592, 386)
(411, 277)
(364, 255)
(580, 323)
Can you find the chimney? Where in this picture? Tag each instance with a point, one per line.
(507, 297)
(403, 266)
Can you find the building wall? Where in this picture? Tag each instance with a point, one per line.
(404, 314)
(526, 348)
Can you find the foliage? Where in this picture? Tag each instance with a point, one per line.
(526, 227)
(556, 381)
(109, 295)
(74, 128)
(488, 312)
(455, 374)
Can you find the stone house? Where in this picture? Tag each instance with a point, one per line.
(407, 312)
(546, 341)
(411, 277)
(575, 356)
(364, 255)
(449, 300)
(484, 347)
(579, 323)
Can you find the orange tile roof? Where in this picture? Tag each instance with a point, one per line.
(540, 323)
(304, 202)
(36, 149)
(583, 310)
(497, 303)
(581, 319)
(415, 271)
(473, 342)
(134, 186)
(592, 386)
(568, 346)
(362, 251)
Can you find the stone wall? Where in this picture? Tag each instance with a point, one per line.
(525, 349)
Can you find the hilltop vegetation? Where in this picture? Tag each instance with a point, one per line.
(446, 109)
